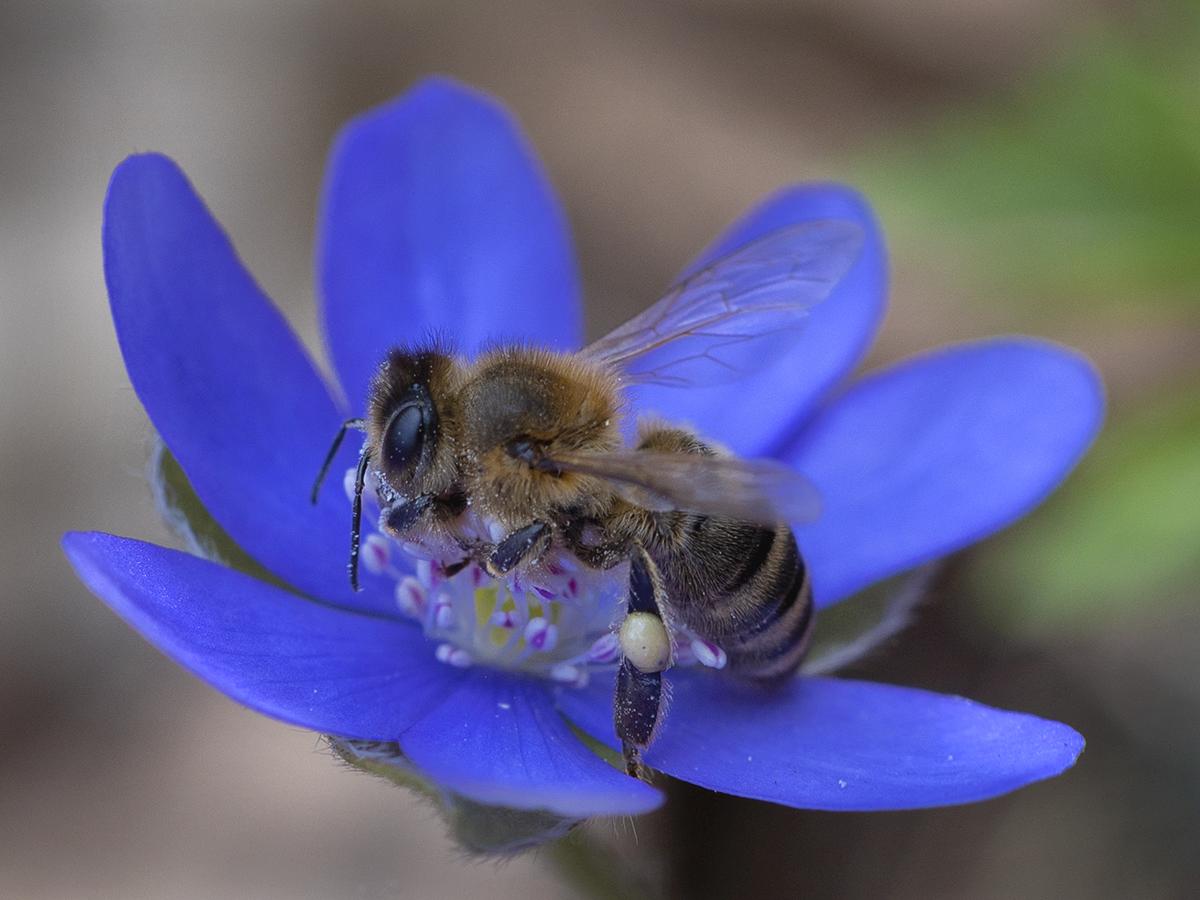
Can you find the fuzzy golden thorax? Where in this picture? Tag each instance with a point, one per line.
(414, 406)
(519, 399)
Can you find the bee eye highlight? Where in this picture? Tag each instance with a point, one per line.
(405, 436)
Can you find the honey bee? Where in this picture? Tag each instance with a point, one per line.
(531, 441)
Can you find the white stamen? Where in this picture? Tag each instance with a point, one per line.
(708, 654)
(566, 673)
(411, 596)
(376, 553)
(370, 494)
(454, 656)
(606, 649)
(443, 615)
(541, 635)
(428, 573)
(558, 628)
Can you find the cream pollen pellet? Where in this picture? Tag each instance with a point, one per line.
(645, 643)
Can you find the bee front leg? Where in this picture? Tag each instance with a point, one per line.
(427, 521)
(638, 707)
(524, 543)
(404, 514)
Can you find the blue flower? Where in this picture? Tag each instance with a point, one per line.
(436, 217)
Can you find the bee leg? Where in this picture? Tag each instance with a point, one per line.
(403, 515)
(517, 547)
(454, 568)
(636, 709)
(646, 651)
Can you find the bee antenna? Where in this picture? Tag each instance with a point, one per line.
(359, 424)
(360, 476)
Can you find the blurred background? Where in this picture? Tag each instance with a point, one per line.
(1036, 165)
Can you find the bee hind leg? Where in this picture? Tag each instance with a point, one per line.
(638, 706)
(636, 710)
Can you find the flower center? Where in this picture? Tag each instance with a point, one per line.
(559, 626)
(557, 619)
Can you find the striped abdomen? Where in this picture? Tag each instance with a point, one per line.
(742, 586)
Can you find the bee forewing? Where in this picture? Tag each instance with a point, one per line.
(761, 491)
(722, 321)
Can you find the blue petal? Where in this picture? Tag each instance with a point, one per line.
(320, 667)
(225, 381)
(824, 743)
(753, 415)
(437, 217)
(931, 455)
(498, 739)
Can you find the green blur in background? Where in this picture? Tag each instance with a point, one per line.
(1036, 166)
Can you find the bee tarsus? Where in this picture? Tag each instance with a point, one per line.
(636, 709)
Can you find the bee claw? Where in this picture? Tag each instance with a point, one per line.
(633, 762)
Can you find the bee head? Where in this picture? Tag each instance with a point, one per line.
(410, 413)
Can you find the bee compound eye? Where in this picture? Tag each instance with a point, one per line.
(405, 436)
(645, 642)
